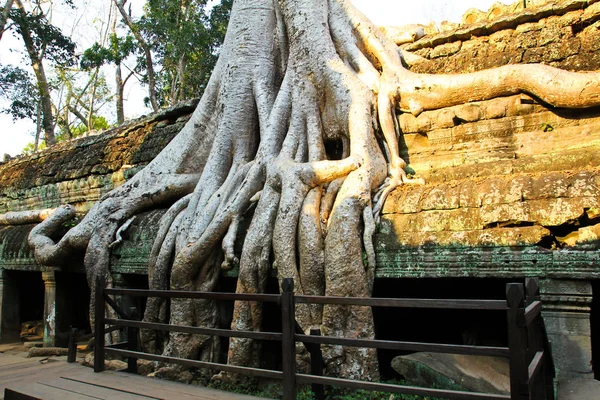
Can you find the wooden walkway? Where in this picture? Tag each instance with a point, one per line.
(61, 381)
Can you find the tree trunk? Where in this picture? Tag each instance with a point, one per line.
(42, 82)
(4, 16)
(120, 85)
(179, 81)
(119, 95)
(78, 114)
(147, 52)
(90, 116)
(292, 74)
(38, 127)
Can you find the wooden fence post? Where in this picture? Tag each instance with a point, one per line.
(517, 341)
(132, 339)
(316, 365)
(72, 354)
(288, 343)
(537, 387)
(99, 330)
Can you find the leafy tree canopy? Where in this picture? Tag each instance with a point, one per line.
(116, 51)
(185, 37)
(48, 40)
(17, 87)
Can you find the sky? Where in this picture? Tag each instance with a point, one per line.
(15, 135)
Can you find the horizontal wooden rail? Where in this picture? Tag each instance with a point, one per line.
(119, 345)
(193, 330)
(454, 304)
(264, 373)
(535, 365)
(529, 357)
(181, 294)
(410, 390)
(409, 346)
(532, 311)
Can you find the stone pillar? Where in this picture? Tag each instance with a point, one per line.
(566, 312)
(49, 308)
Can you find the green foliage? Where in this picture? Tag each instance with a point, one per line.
(185, 39)
(249, 387)
(72, 222)
(47, 39)
(118, 49)
(546, 127)
(30, 146)
(21, 92)
(274, 391)
(99, 123)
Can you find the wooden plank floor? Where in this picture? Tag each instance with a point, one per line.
(61, 381)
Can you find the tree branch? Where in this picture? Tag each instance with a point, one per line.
(4, 16)
(147, 53)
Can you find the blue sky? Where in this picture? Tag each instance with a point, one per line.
(14, 136)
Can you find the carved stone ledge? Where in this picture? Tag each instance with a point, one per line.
(486, 262)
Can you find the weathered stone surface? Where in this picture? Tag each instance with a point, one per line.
(47, 351)
(112, 365)
(131, 255)
(404, 34)
(414, 235)
(582, 236)
(553, 32)
(474, 373)
(80, 171)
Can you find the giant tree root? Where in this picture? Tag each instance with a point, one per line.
(293, 76)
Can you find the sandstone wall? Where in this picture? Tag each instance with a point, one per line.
(80, 171)
(559, 33)
(512, 184)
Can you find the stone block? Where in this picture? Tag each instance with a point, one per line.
(500, 214)
(528, 40)
(398, 223)
(445, 119)
(432, 221)
(548, 186)
(468, 196)
(570, 337)
(555, 211)
(474, 373)
(495, 109)
(445, 50)
(584, 184)
(469, 112)
(442, 197)
(464, 219)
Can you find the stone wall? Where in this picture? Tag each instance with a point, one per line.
(80, 171)
(512, 184)
(563, 34)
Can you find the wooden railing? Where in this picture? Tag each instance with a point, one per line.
(528, 351)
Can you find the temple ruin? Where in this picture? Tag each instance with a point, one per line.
(512, 191)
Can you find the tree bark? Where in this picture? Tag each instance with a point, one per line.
(38, 127)
(40, 74)
(119, 95)
(4, 16)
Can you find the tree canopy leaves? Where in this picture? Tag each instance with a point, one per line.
(17, 87)
(184, 38)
